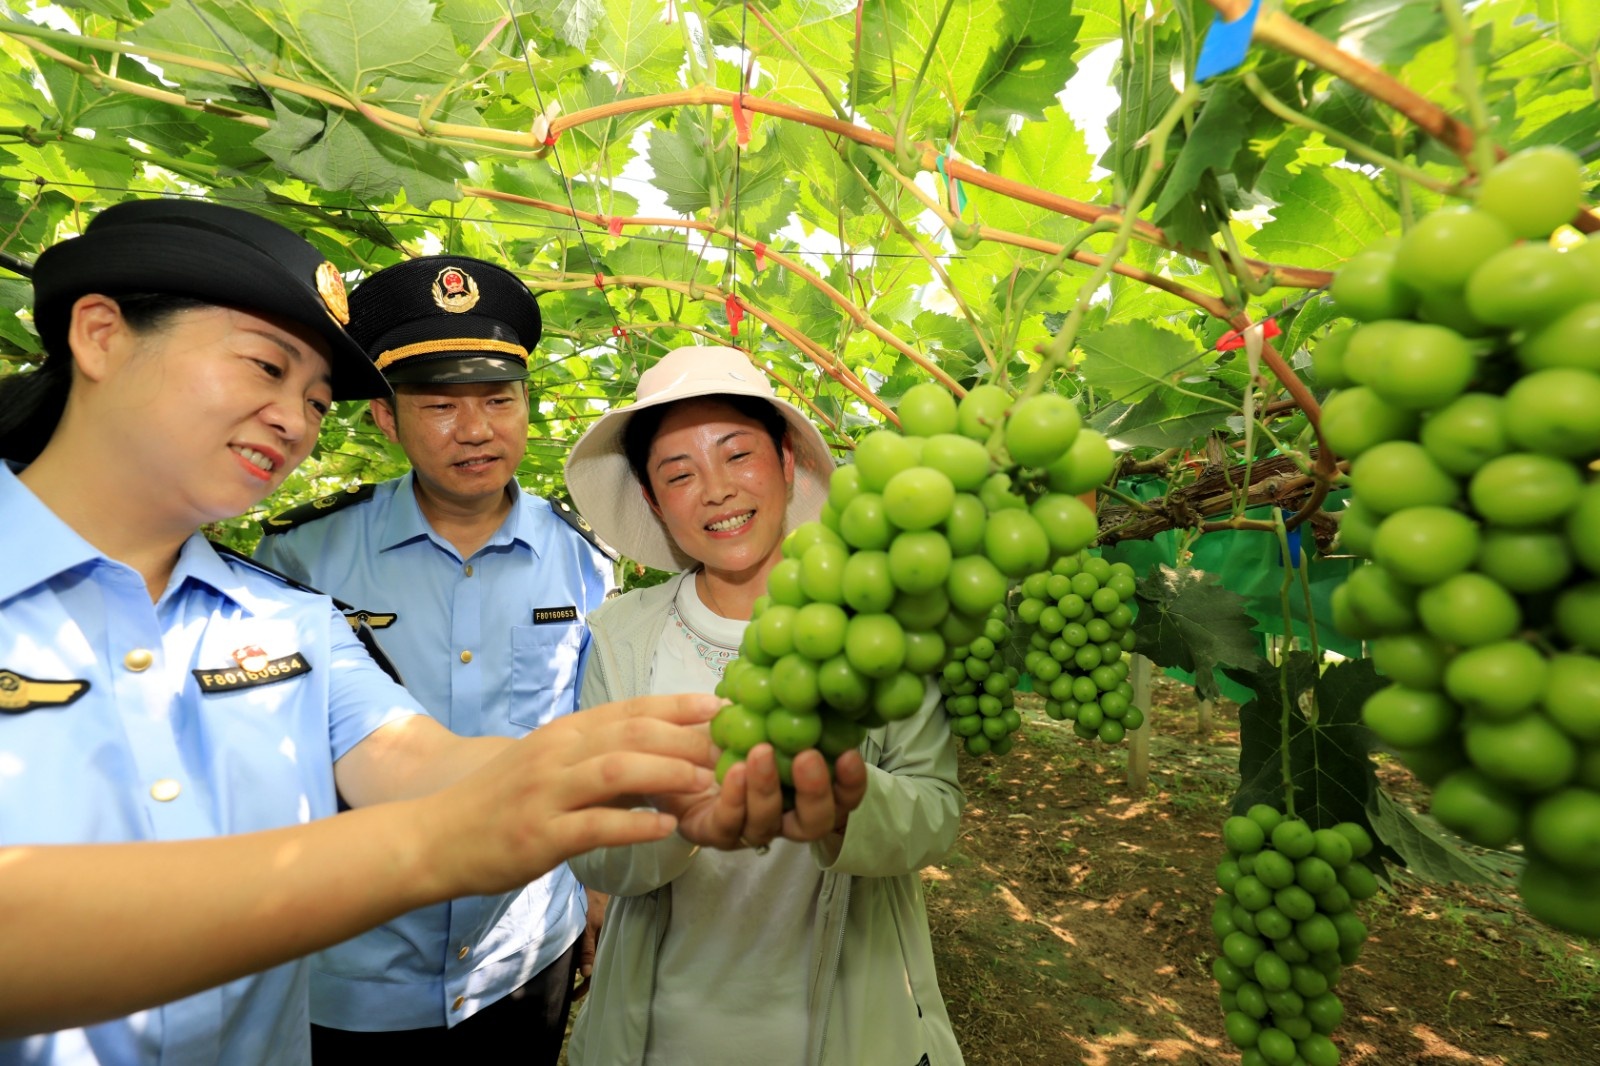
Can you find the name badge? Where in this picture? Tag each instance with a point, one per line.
(542, 615)
(20, 694)
(275, 670)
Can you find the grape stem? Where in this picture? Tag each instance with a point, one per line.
(1481, 156)
(1060, 346)
(1283, 665)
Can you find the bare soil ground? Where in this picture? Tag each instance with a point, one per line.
(1072, 923)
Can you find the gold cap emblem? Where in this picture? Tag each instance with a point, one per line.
(455, 291)
(330, 286)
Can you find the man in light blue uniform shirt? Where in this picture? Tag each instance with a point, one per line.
(478, 591)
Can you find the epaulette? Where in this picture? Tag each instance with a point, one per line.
(284, 521)
(569, 514)
(361, 629)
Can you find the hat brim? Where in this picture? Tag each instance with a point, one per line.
(609, 496)
(206, 265)
(453, 368)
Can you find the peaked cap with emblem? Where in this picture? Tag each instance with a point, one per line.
(446, 320)
(222, 255)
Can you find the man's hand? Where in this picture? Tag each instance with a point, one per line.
(747, 811)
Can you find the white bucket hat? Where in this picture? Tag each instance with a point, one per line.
(607, 493)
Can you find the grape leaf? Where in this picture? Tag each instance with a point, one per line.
(1128, 360)
(682, 172)
(1324, 216)
(574, 20)
(633, 37)
(1217, 136)
(1429, 851)
(1386, 32)
(358, 44)
(329, 150)
(1328, 746)
(1162, 419)
(1030, 65)
(1188, 620)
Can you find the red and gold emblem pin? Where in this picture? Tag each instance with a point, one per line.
(330, 286)
(454, 290)
(251, 658)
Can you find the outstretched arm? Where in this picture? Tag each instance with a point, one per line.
(96, 931)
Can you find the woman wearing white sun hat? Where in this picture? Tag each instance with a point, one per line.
(750, 935)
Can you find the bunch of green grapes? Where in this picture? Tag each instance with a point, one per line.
(1080, 618)
(1285, 926)
(915, 552)
(980, 689)
(1470, 410)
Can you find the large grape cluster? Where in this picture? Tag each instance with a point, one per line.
(1285, 926)
(1079, 621)
(1469, 406)
(910, 563)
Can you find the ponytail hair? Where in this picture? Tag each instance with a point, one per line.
(32, 402)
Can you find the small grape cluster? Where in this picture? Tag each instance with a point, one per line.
(980, 689)
(910, 564)
(1285, 927)
(1079, 616)
(1469, 406)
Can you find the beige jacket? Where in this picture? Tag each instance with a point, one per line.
(874, 995)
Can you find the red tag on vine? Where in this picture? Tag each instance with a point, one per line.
(741, 121)
(600, 281)
(614, 226)
(735, 312)
(761, 256)
(550, 139)
(1234, 339)
(618, 331)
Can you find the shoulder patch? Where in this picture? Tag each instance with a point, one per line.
(360, 621)
(284, 521)
(569, 514)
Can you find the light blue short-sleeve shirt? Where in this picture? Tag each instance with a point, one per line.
(492, 645)
(218, 709)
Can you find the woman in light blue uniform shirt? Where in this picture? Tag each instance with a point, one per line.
(176, 724)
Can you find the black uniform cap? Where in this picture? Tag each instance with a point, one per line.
(218, 254)
(446, 319)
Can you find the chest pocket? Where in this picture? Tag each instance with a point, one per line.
(544, 672)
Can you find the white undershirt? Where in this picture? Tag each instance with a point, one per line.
(732, 970)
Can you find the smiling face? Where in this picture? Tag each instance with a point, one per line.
(464, 441)
(720, 487)
(215, 406)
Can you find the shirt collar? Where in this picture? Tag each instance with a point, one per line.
(34, 542)
(199, 561)
(405, 521)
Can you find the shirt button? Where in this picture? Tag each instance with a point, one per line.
(466, 949)
(469, 569)
(457, 1004)
(138, 659)
(466, 656)
(165, 790)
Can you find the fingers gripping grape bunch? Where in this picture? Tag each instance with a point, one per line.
(919, 544)
(1285, 926)
(1469, 406)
